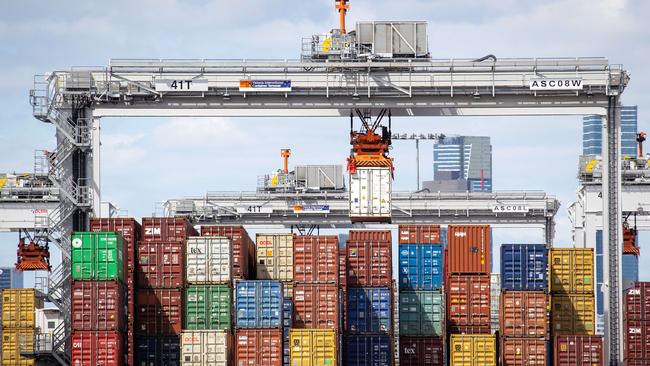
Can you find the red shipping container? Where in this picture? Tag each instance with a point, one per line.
(370, 262)
(637, 342)
(468, 329)
(93, 348)
(637, 302)
(127, 228)
(167, 229)
(129, 343)
(369, 235)
(130, 302)
(258, 347)
(315, 306)
(161, 264)
(316, 259)
(419, 234)
(468, 300)
(469, 249)
(524, 314)
(524, 352)
(421, 351)
(242, 247)
(159, 312)
(98, 305)
(578, 350)
(343, 265)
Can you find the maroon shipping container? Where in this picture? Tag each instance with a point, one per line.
(468, 329)
(316, 259)
(315, 306)
(343, 265)
(369, 235)
(127, 228)
(524, 314)
(93, 348)
(258, 347)
(98, 305)
(421, 351)
(637, 342)
(578, 350)
(419, 234)
(242, 246)
(129, 343)
(159, 312)
(167, 229)
(469, 249)
(369, 261)
(524, 352)
(130, 300)
(468, 300)
(161, 264)
(637, 302)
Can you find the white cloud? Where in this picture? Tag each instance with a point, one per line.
(199, 132)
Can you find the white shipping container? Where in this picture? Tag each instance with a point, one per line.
(205, 348)
(275, 257)
(209, 259)
(370, 192)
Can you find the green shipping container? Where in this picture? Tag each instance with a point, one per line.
(421, 313)
(97, 256)
(208, 307)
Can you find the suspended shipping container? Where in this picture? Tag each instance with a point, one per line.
(98, 305)
(578, 350)
(92, 348)
(524, 267)
(158, 351)
(369, 310)
(209, 260)
(637, 342)
(316, 306)
(166, 229)
(312, 347)
(572, 314)
(524, 352)
(473, 350)
(370, 194)
(161, 264)
(637, 302)
(316, 259)
(468, 300)
(421, 313)
(159, 312)
(208, 307)
(205, 348)
(258, 304)
(571, 270)
(524, 314)
(18, 306)
(127, 228)
(11, 346)
(275, 257)
(420, 267)
(374, 350)
(243, 248)
(98, 257)
(419, 234)
(258, 347)
(369, 259)
(421, 351)
(469, 249)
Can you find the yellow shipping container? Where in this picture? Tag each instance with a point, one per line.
(11, 346)
(572, 314)
(313, 347)
(18, 306)
(473, 350)
(571, 270)
(275, 257)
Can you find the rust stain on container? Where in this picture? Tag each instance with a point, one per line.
(524, 314)
(161, 264)
(468, 300)
(369, 259)
(469, 249)
(243, 248)
(159, 312)
(419, 234)
(316, 259)
(524, 352)
(98, 305)
(578, 350)
(316, 306)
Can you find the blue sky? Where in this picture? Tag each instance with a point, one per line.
(145, 161)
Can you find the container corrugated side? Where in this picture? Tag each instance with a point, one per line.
(369, 310)
(127, 228)
(473, 350)
(274, 257)
(572, 314)
(166, 229)
(361, 350)
(209, 260)
(158, 351)
(258, 347)
(18, 307)
(11, 346)
(571, 270)
(369, 261)
(206, 348)
(524, 267)
(524, 352)
(469, 249)
(316, 259)
(314, 347)
(159, 312)
(161, 264)
(637, 302)
(421, 313)
(468, 300)
(421, 351)
(421, 266)
(316, 306)
(572, 350)
(419, 234)
(97, 348)
(258, 304)
(98, 305)
(243, 248)
(370, 194)
(524, 314)
(98, 256)
(637, 342)
(287, 322)
(208, 307)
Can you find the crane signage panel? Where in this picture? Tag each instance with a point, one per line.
(498, 208)
(181, 85)
(541, 83)
(254, 209)
(311, 208)
(265, 85)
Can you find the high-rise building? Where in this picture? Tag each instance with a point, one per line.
(10, 278)
(462, 163)
(592, 135)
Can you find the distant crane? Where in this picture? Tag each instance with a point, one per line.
(417, 137)
(342, 6)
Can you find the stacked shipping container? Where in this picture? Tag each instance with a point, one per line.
(18, 325)
(637, 324)
(421, 296)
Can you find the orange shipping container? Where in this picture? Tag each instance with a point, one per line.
(316, 259)
(524, 314)
(369, 259)
(469, 249)
(468, 300)
(261, 347)
(419, 234)
(524, 352)
(316, 306)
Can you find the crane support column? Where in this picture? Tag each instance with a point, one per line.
(94, 169)
(612, 230)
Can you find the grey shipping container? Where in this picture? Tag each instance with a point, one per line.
(393, 39)
(327, 177)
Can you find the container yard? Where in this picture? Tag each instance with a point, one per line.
(333, 264)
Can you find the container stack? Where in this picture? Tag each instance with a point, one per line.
(18, 325)
(524, 323)
(421, 297)
(314, 335)
(99, 298)
(637, 324)
(368, 338)
(160, 277)
(468, 296)
(573, 317)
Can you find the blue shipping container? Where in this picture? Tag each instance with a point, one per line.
(369, 310)
(287, 312)
(163, 351)
(420, 267)
(259, 304)
(524, 267)
(368, 350)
